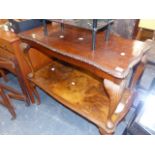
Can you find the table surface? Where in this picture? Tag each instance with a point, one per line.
(114, 57)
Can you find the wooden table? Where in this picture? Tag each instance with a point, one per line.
(91, 83)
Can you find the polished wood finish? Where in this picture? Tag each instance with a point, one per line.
(8, 60)
(112, 62)
(10, 49)
(80, 91)
(114, 58)
(9, 63)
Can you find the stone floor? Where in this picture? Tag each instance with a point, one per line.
(50, 117)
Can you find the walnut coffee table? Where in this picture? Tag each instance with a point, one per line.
(98, 85)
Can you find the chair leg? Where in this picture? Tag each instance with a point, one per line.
(6, 102)
(17, 96)
(4, 75)
(13, 93)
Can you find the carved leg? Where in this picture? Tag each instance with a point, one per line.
(115, 92)
(25, 48)
(105, 132)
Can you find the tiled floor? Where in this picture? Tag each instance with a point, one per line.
(50, 117)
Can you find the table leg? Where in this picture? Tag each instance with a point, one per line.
(26, 48)
(115, 92)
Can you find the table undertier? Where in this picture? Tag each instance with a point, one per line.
(77, 89)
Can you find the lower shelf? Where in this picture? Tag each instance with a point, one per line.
(78, 91)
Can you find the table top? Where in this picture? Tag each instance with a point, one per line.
(84, 23)
(115, 57)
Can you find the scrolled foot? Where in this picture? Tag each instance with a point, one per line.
(109, 124)
(104, 132)
(108, 129)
